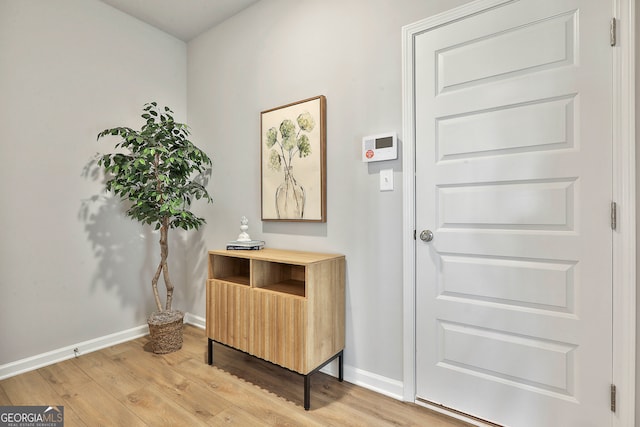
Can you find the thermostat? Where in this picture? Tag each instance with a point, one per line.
(380, 147)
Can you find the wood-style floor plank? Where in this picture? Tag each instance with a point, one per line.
(64, 377)
(157, 409)
(109, 373)
(30, 389)
(98, 406)
(4, 399)
(129, 385)
(189, 394)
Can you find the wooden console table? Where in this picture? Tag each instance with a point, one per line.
(286, 307)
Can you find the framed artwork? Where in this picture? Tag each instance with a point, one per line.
(293, 161)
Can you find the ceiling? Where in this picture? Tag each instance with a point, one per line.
(184, 19)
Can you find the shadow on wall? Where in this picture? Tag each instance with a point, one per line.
(195, 261)
(190, 294)
(126, 252)
(196, 265)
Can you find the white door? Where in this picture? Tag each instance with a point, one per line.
(513, 129)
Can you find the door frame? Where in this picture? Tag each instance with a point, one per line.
(624, 194)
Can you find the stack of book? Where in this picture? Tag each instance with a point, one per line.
(248, 245)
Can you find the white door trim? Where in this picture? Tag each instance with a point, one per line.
(624, 190)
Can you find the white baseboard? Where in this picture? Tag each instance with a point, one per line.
(40, 360)
(197, 321)
(374, 382)
(368, 380)
(49, 358)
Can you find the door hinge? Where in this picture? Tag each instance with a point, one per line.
(612, 32)
(614, 215)
(613, 398)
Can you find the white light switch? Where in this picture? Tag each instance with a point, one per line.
(386, 180)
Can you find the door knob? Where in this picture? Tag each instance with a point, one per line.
(426, 235)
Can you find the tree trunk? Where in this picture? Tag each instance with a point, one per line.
(164, 255)
(164, 268)
(154, 285)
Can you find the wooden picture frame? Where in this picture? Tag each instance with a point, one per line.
(293, 161)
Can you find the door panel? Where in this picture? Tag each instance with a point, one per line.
(513, 174)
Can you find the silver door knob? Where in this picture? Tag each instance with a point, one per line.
(426, 235)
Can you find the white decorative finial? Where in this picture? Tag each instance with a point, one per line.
(244, 237)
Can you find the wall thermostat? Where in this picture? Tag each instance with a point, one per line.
(380, 147)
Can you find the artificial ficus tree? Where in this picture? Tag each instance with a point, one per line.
(160, 172)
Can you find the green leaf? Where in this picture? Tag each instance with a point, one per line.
(159, 172)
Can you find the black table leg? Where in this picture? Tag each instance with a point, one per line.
(210, 352)
(307, 392)
(307, 377)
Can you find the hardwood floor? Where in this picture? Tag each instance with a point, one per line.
(126, 385)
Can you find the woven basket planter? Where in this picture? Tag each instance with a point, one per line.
(165, 330)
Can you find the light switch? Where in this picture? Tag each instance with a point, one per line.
(386, 180)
